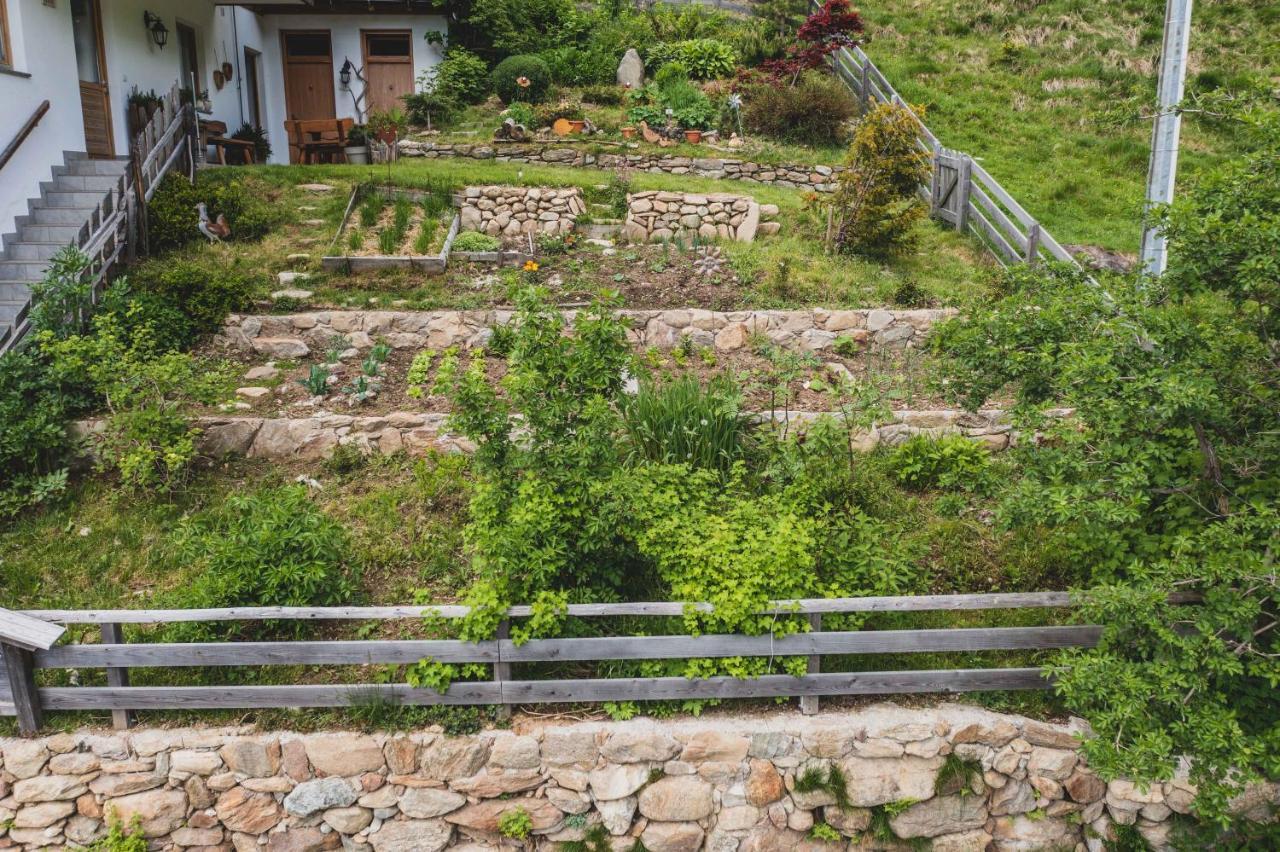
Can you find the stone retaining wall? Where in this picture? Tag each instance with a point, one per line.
(316, 437)
(297, 335)
(660, 216)
(819, 178)
(725, 784)
(514, 210)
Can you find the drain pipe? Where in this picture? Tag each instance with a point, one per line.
(235, 42)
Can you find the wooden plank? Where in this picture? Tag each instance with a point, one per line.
(900, 603)
(113, 635)
(964, 183)
(1001, 248)
(503, 651)
(502, 670)
(549, 691)
(338, 653)
(1012, 233)
(23, 631)
(809, 703)
(20, 673)
(1055, 249)
(993, 188)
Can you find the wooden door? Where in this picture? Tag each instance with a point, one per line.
(308, 77)
(95, 98)
(388, 67)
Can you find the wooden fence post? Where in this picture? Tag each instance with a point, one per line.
(963, 183)
(19, 636)
(935, 183)
(866, 87)
(502, 671)
(112, 635)
(809, 703)
(1033, 243)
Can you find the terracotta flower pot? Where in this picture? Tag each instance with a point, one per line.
(628, 133)
(578, 125)
(693, 137)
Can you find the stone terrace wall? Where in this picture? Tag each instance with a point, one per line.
(658, 216)
(514, 210)
(297, 335)
(722, 784)
(315, 437)
(817, 178)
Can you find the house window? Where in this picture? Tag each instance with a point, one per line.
(6, 48)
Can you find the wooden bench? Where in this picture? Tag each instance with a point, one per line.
(317, 140)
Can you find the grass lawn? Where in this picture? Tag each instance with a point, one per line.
(1026, 87)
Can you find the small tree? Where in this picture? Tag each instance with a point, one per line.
(875, 205)
(823, 33)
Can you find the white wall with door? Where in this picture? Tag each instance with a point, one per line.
(40, 65)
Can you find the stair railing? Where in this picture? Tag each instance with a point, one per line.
(23, 132)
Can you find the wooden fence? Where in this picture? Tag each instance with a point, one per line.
(28, 642)
(960, 191)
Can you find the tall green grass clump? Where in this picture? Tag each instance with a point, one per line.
(681, 421)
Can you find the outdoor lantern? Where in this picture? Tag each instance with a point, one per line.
(159, 32)
(344, 75)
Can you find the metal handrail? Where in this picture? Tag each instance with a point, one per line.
(23, 133)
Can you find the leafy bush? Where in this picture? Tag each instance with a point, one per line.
(521, 78)
(118, 839)
(702, 58)
(271, 547)
(172, 218)
(261, 143)
(951, 461)
(571, 65)
(680, 421)
(429, 109)
(603, 94)
(515, 823)
(826, 31)
(815, 111)
(475, 241)
(524, 26)
(61, 301)
(148, 316)
(461, 77)
(875, 202)
(206, 292)
(34, 443)
(147, 437)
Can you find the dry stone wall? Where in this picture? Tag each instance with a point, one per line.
(656, 217)
(818, 178)
(298, 335)
(723, 784)
(513, 210)
(316, 437)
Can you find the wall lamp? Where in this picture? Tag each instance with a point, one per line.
(159, 32)
(344, 75)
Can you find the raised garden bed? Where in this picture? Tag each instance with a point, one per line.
(394, 228)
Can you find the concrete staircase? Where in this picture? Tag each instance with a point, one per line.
(65, 213)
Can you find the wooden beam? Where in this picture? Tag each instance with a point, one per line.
(23, 631)
(117, 676)
(20, 672)
(548, 691)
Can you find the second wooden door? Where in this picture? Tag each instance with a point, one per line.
(388, 68)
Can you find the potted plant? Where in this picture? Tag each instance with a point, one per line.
(693, 119)
(386, 125)
(357, 145)
(628, 132)
(142, 106)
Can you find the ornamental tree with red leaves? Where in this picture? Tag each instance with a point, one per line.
(823, 33)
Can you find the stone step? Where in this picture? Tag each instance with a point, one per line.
(83, 198)
(34, 251)
(76, 182)
(22, 270)
(15, 291)
(60, 215)
(87, 166)
(61, 234)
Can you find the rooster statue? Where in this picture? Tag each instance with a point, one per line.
(215, 230)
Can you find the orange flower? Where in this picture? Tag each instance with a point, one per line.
(531, 266)
(523, 82)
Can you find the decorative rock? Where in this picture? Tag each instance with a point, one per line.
(348, 820)
(293, 292)
(677, 799)
(280, 347)
(631, 746)
(764, 783)
(344, 754)
(428, 802)
(314, 187)
(940, 815)
(312, 796)
(412, 836)
(158, 811)
(672, 837)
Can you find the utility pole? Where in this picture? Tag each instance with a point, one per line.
(1163, 167)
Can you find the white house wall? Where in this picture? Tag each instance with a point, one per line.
(44, 62)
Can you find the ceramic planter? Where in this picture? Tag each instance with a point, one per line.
(628, 133)
(693, 137)
(578, 125)
(357, 155)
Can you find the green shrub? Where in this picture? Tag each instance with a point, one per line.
(604, 94)
(681, 421)
(118, 839)
(702, 58)
(875, 202)
(475, 241)
(951, 461)
(205, 290)
(34, 443)
(271, 547)
(507, 75)
(815, 111)
(172, 219)
(524, 26)
(515, 823)
(261, 143)
(62, 301)
(571, 65)
(461, 77)
(147, 316)
(429, 109)
(148, 437)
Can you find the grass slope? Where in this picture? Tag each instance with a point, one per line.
(1023, 85)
